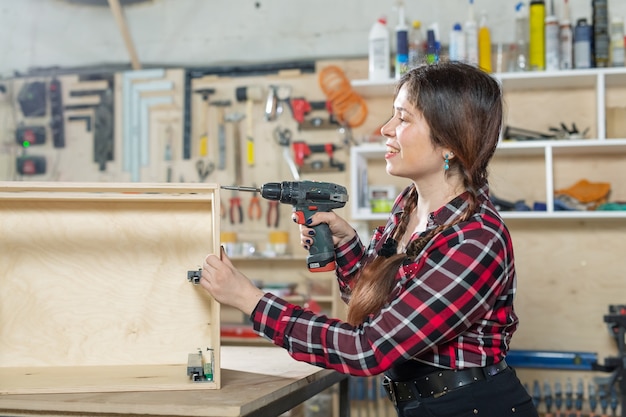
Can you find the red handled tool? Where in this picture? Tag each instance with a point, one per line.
(273, 214)
(235, 210)
(254, 209)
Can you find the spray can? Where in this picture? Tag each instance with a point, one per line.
(601, 38)
(617, 42)
(552, 40)
(582, 44)
(457, 43)
(402, 45)
(566, 39)
(536, 49)
(521, 38)
(484, 44)
(471, 37)
(379, 53)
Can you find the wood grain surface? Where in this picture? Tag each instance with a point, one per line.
(91, 283)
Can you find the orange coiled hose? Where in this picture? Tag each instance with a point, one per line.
(349, 107)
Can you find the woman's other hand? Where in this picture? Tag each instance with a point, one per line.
(227, 285)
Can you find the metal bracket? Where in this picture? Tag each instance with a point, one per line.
(198, 368)
(194, 276)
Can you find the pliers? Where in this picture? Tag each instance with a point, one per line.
(204, 169)
(254, 209)
(272, 214)
(236, 212)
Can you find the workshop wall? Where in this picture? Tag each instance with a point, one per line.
(568, 270)
(45, 33)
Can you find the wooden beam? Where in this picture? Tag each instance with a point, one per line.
(121, 22)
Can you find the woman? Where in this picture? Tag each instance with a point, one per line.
(430, 301)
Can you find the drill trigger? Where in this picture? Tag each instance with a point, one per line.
(300, 218)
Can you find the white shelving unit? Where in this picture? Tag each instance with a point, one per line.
(598, 80)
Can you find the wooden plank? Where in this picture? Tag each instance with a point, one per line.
(86, 187)
(98, 283)
(69, 379)
(253, 377)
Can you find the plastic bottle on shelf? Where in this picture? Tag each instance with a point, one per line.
(471, 37)
(432, 53)
(456, 51)
(484, 44)
(435, 28)
(601, 37)
(566, 39)
(536, 47)
(379, 51)
(582, 44)
(521, 38)
(417, 49)
(552, 40)
(617, 41)
(402, 44)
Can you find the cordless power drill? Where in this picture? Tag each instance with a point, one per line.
(308, 197)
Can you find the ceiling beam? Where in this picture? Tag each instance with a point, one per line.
(121, 23)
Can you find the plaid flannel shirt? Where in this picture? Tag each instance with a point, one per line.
(451, 307)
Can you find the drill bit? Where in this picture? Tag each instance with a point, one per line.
(240, 188)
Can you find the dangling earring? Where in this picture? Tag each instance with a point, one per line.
(446, 163)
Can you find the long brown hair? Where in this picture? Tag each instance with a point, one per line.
(463, 108)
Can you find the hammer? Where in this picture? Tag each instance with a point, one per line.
(206, 94)
(249, 95)
(221, 132)
(235, 118)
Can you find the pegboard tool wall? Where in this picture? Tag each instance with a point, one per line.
(159, 127)
(214, 101)
(91, 118)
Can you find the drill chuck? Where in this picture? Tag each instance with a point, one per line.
(272, 191)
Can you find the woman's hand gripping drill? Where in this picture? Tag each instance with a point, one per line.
(341, 230)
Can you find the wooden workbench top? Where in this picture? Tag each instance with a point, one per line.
(253, 379)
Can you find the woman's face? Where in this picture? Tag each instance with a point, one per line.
(410, 152)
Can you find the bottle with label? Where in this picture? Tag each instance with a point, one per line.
(617, 42)
(456, 51)
(521, 38)
(417, 49)
(552, 40)
(601, 37)
(536, 48)
(471, 37)
(432, 51)
(566, 39)
(402, 45)
(379, 51)
(582, 44)
(484, 44)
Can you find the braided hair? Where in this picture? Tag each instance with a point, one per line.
(463, 108)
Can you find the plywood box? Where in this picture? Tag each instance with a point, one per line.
(94, 295)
